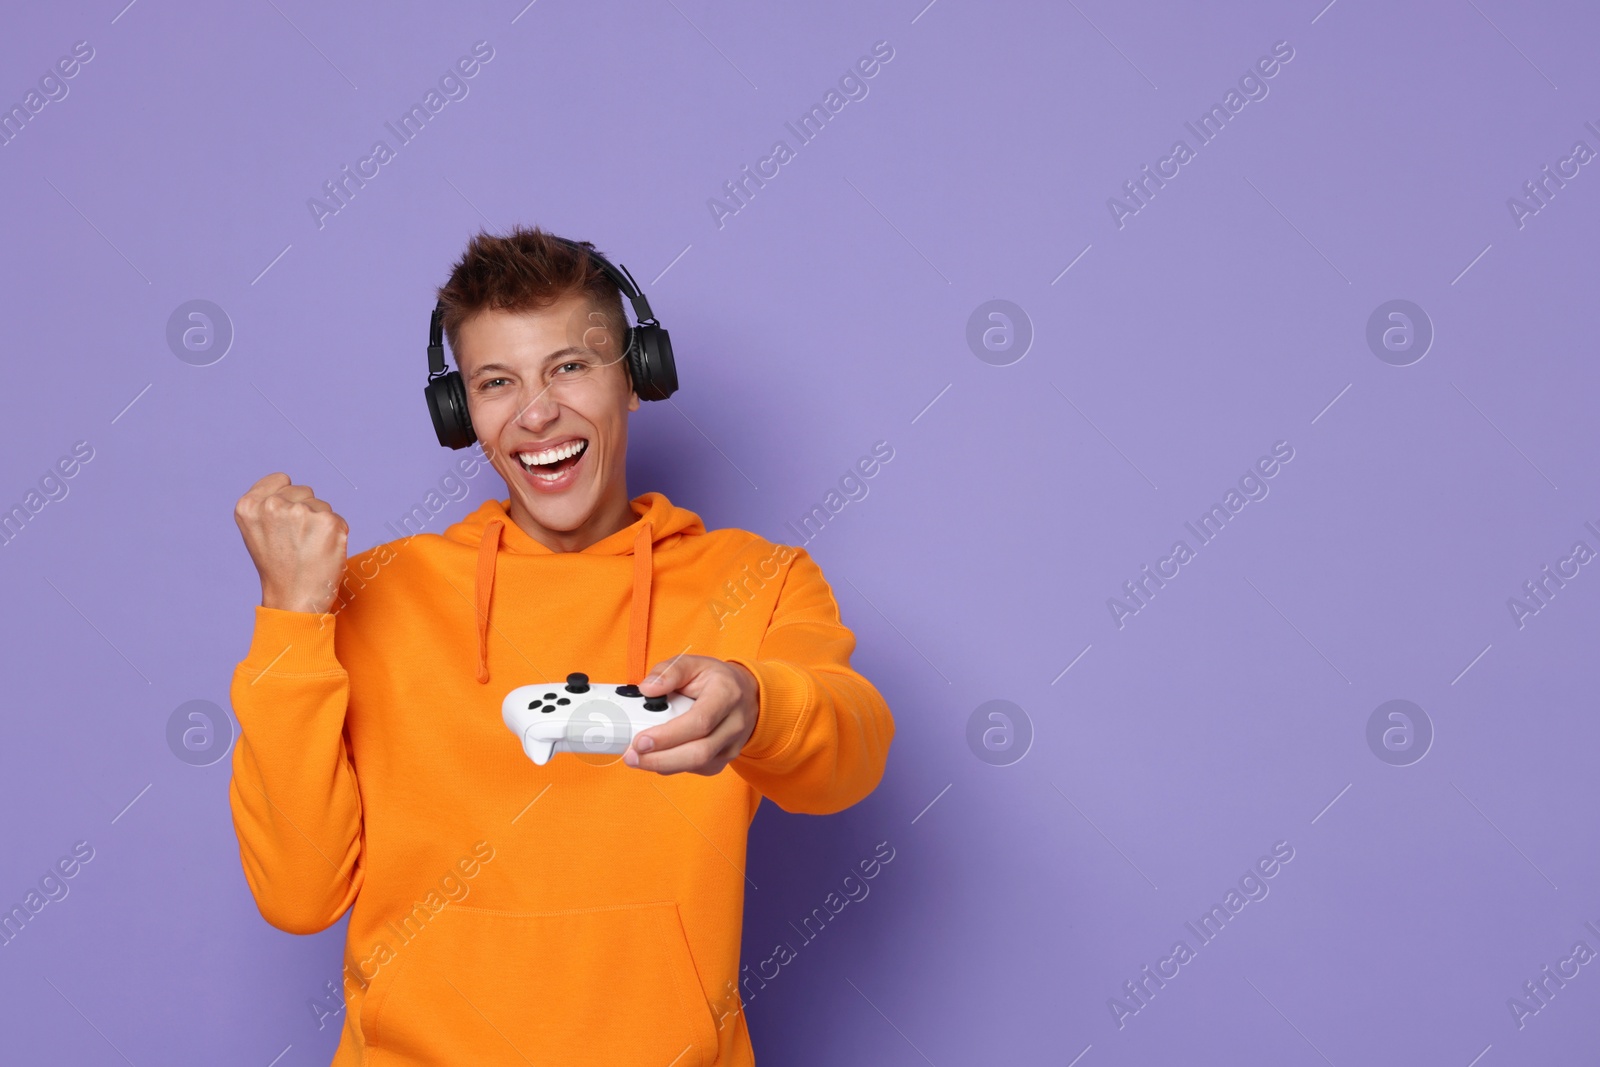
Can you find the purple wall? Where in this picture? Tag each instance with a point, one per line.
(1153, 349)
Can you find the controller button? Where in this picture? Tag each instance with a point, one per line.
(548, 708)
(562, 700)
(549, 696)
(655, 704)
(532, 704)
(577, 683)
(628, 691)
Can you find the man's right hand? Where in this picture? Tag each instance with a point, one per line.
(297, 542)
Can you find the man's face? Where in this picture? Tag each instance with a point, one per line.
(549, 399)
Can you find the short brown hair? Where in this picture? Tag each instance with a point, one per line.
(525, 270)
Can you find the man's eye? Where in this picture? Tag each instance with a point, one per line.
(574, 365)
(490, 382)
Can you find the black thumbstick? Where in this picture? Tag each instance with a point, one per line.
(655, 704)
(577, 683)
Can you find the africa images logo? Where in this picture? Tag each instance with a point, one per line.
(1252, 86)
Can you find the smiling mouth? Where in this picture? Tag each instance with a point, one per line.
(550, 463)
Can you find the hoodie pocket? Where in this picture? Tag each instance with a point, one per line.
(605, 986)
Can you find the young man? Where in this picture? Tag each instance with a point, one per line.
(586, 911)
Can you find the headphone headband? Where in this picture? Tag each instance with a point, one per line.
(619, 277)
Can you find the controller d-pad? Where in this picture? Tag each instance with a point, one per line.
(628, 691)
(655, 704)
(577, 683)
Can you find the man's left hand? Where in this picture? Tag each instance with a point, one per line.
(706, 737)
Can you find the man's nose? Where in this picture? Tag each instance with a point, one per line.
(537, 405)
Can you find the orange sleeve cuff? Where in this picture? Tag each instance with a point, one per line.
(784, 697)
(290, 643)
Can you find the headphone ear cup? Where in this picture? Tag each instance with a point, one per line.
(447, 403)
(655, 372)
(638, 369)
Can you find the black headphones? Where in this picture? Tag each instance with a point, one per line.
(646, 347)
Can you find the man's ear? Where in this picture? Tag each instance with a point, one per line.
(633, 399)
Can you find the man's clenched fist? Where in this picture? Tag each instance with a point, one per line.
(297, 543)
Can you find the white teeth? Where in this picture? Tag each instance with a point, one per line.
(551, 455)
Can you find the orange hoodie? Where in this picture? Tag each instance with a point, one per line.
(583, 912)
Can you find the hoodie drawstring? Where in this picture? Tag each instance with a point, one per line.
(483, 590)
(638, 615)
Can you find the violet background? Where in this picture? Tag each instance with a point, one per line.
(826, 315)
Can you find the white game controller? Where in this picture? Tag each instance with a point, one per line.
(577, 717)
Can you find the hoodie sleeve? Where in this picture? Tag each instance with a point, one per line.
(296, 808)
(823, 732)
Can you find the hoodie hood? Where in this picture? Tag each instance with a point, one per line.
(657, 523)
